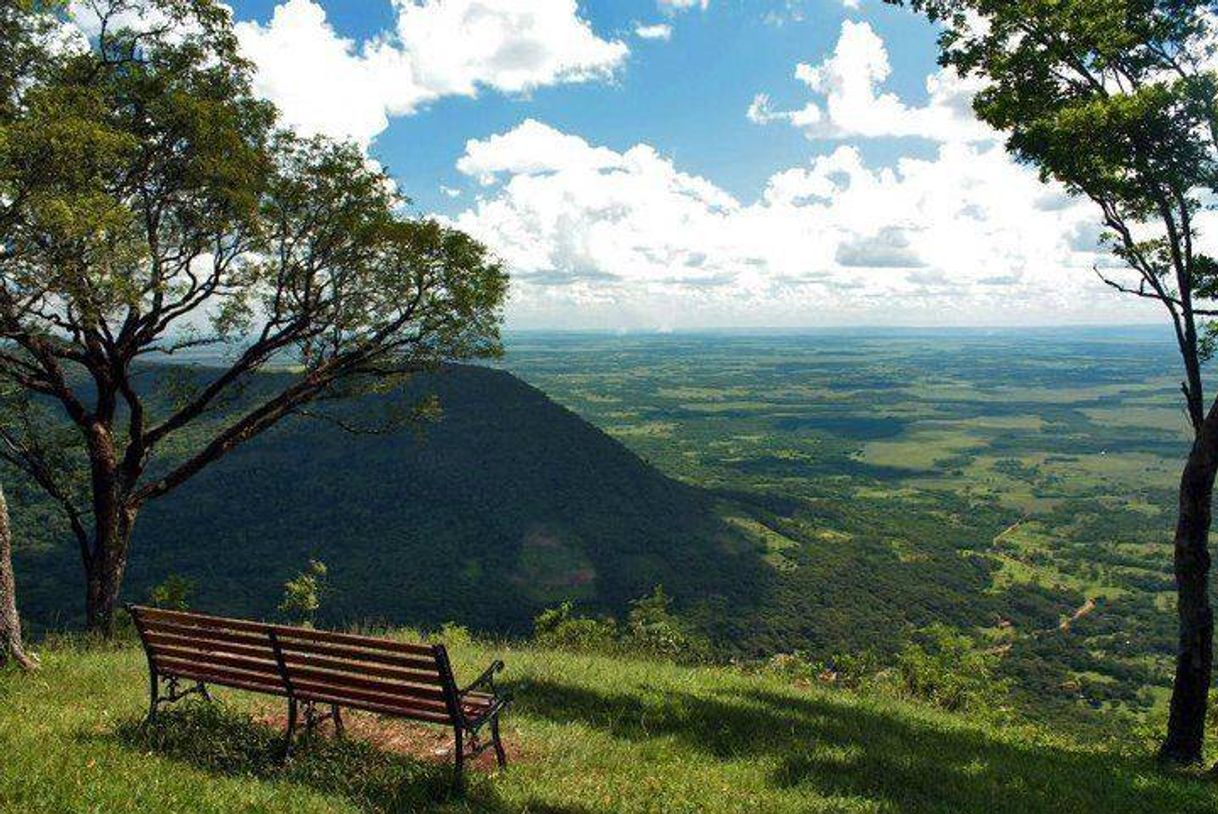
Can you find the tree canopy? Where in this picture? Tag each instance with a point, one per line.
(150, 205)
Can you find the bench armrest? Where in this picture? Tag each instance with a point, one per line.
(487, 679)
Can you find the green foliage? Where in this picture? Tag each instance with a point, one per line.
(653, 629)
(949, 670)
(303, 593)
(938, 666)
(174, 593)
(562, 629)
(451, 633)
(151, 205)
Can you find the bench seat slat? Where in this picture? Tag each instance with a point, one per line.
(306, 689)
(382, 709)
(299, 675)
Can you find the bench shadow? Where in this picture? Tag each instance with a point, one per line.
(846, 750)
(224, 742)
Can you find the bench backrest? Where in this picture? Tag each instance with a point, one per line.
(211, 649)
(395, 678)
(379, 675)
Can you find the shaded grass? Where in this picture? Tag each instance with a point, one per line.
(223, 741)
(593, 734)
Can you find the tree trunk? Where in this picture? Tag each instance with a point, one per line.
(106, 564)
(1194, 658)
(104, 571)
(10, 622)
(106, 561)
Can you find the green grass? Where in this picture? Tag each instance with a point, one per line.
(588, 734)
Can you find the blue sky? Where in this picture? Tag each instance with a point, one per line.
(749, 164)
(685, 96)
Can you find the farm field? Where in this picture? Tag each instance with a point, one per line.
(1046, 457)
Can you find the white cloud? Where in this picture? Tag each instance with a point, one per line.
(658, 31)
(596, 236)
(682, 5)
(325, 83)
(849, 102)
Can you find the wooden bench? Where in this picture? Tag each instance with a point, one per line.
(312, 668)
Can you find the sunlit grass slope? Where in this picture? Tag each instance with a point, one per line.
(587, 734)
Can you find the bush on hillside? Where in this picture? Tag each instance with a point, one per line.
(651, 630)
(940, 666)
(302, 594)
(947, 669)
(560, 628)
(174, 593)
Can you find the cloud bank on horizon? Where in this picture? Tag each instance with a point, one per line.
(948, 231)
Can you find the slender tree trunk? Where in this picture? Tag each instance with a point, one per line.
(10, 622)
(1194, 659)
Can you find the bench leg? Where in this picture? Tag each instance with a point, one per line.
(203, 692)
(154, 693)
(291, 733)
(500, 755)
(459, 765)
(339, 729)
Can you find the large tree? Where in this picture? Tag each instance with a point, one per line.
(148, 205)
(1116, 100)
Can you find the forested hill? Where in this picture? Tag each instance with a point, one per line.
(507, 504)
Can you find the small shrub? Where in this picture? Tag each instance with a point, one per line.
(653, 629)
(560, 628)
(174, 593)
(452, 633)
(302, 594)
(854, 671)
(946, 668)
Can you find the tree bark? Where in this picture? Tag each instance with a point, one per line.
(1194, 658)
(106, 560)
(10, 622)
(104, 570)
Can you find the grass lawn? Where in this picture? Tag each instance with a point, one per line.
(586, 734)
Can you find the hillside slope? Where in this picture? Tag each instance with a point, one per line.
(507, 504)
(586, 734)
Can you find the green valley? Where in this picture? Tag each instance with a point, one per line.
(829, 494)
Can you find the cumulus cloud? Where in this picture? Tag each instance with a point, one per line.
(325, 83)
(658, 31)
(597, 236)
(888, 247)
(849, 102)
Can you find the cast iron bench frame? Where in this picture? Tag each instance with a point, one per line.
(312, 667)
